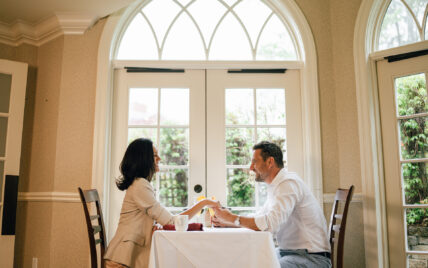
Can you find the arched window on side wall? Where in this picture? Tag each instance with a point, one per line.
(405, 22)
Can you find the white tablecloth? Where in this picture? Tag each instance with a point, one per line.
(215, 247)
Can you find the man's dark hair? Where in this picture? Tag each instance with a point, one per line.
(269, 149)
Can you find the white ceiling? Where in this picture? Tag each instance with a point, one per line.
(33, 11)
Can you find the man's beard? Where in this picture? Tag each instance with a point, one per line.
(259, 178)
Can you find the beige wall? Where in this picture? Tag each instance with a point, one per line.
(57, 147)
(59, 123)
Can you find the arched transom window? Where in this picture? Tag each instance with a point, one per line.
(207, 30)
(405, 22)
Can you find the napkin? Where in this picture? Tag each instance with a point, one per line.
(191, 227)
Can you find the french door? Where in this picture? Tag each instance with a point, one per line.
(404, 122)
(204, 123)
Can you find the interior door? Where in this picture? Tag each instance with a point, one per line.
(168, 108)
(13, 80)
(404, 122)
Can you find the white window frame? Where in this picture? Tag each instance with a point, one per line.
(299, 30)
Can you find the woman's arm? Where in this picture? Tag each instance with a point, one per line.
(199, 206)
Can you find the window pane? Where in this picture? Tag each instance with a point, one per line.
(174, 146)
(239, 106)
(413, 138)
(417, 261)
(148, 133)
(173, 187)
(415, 181)
(275, 42)
(230, 42)
(240, 189)
(416, 220)
(143, 106)
(270, 106)
(426, 28)
(418, 8)
(411, 94)
(398, 27)
(138, 42)
(160, 13)
(3, 134)
(183, 41)
(253, 14)
(174, 106)
(239, 142)
(207, 14)
(5, 83)
(275, 135)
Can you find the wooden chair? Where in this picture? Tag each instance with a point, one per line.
(88, 197)
(337, 230)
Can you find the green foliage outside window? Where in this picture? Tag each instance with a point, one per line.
(412, 99)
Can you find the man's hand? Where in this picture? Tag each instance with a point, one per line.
(216, 222)
(224, 216)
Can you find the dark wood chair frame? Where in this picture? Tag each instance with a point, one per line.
(87, 197)
(337, 230)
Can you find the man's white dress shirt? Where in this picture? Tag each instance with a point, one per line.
(292, 213)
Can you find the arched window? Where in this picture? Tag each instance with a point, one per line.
(206, 30)
(405, 22)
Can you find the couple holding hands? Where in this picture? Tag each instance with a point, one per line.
(291, 212)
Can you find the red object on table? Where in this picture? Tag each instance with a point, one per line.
(191, 227)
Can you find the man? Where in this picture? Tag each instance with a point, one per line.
(291, 212)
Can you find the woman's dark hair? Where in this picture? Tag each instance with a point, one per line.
(269, 149)
(138, 162)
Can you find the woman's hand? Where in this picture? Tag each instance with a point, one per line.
(211, 203)
(156, 227)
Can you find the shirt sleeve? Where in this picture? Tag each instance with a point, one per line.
(145, 200)
(286, 195)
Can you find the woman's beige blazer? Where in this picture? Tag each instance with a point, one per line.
(140, 209)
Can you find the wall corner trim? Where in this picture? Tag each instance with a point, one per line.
(21, 32)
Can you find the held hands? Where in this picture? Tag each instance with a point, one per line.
(223, 217)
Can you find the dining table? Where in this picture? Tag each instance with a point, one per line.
(213, 247)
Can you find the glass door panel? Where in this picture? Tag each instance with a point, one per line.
(169, 109)
(242, 110)
(404, 114)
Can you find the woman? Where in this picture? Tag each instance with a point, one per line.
(130, 247)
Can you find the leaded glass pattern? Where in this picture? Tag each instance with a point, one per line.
(405, 22)
(206, 30)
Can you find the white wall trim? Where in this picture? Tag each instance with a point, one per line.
(309, 85)
(379, 55)
(374, 211)
(356, 198)
(46, 30)
(67, 197)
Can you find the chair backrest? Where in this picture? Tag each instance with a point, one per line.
(337, 228)
(88, 197)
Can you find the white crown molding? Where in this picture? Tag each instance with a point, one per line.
(21, 32)
(67, 197)
(329, 198)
